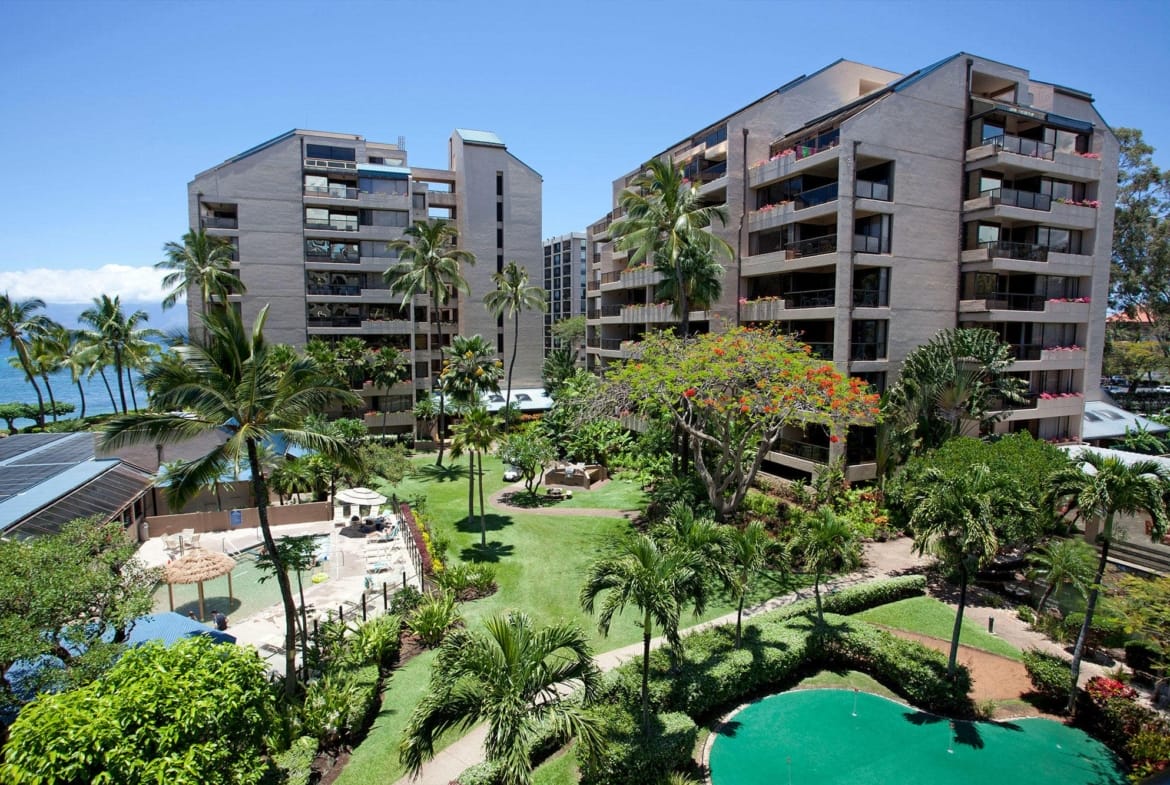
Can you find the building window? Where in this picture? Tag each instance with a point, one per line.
(872, 235)
(868, 340)
(381, 185)
(871, 287)
(395, 218)
(330, 152)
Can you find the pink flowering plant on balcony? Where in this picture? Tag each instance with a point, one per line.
(1069, 300)
(1089, 155)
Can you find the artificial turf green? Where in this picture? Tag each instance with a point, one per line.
(928, 616)
(834, 737)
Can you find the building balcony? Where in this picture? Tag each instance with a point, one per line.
(867, 351)
(393, 201)
(647, 314)
(610, 281)
(815, 453)
(1002, 249)
(865, 189)
(716, 152)
(812, 247)
(1009, 197)
(781, 308)
(788, 163)
(387, 326)
(376, 421)
(218, 222)
(639, 277)
(1033, 357)
(334, 290)
(441, 199)
(1012, 154)
(335, 322)
(329, 192)
(1010, 306)
(605, 312)
(333, 225)
(326, 164)
(1037, 406)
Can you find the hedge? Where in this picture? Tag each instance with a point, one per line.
(629, 756)
(1051, 676)
(296, 762)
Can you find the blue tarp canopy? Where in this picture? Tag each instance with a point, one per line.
(384, 172)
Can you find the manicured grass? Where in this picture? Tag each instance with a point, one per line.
(560, 769)
(846, 680)
(615, 494)
(540, 563)
(928, 616)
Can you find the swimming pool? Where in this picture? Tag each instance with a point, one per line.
(832, 737)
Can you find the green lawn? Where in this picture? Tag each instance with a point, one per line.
(928, 616)
(846, 680)
(540, 563)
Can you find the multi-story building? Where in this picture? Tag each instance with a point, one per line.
(565, 265)
(869, 210)
(311, 214)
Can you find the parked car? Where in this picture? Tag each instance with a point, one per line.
(512, 474)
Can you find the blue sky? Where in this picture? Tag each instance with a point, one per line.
(111, 107)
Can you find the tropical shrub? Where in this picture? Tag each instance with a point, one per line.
(1110, 711)
(405, 600)
(629, 757)
(597, 441)
(376, 642)
(433, 617)
(1049, 675)
(325, 713)
(296, 763)
(468, 581)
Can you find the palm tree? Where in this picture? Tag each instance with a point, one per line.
(475, 433)
(470, 369)
(430, 265)
(47, 356)
(665, 222)
(825, 543)
(506, 675)
(74, 357)
(748, 551)
(513, 295)
(119, 333)
(202, 261)
(1060, 562)
(1097, 490)
(426, 411)
(559, 365)
(955, 519)
(654, 580)
(230, 382)
(683, 530)
(386, 367)
(19, 324)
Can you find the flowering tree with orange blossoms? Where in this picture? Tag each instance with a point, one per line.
(734, 392)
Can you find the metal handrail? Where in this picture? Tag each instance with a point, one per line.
(1014, 197)
(332, 191)
(1029, 252)
(1032, 148)
(817, 453)
(813, 246)
(814, 196)
(867, 189)
(332, 225)
(613, 277)
(871, 298)
(810, 298)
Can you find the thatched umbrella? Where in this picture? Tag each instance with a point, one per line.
(197, 566)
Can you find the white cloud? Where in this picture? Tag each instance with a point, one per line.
(133, 284)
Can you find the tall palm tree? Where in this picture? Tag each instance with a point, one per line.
(120, 333)
(47, 355)
(430, 264)
(97, 357)
(19, 324)
(201, 261)
(476, 432)
(683, 530)
(229, 381)
(513, 295)
(386, 367)
(825, 543)
(506, 675)
(74, 358)
(955, 519)
(665, 222)
(1063, 562)
(654, 580)
(1098, 489)
(749, 550)
(470, 369)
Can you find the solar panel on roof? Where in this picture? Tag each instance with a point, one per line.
(22, 443)
(74, 450)
(17, 479)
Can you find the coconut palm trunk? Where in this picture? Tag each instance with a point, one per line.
(957, 630)
(81, 395)
(130, 384)
(286, 594)
(1090, 608)
(52, 398)
(118, 370)
(482, 515)
(22, 355)
(442, 395)
(646, 621)
(109, 390)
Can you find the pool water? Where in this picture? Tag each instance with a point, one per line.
(813, 736)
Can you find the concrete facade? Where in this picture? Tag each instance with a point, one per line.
(311, 214)
(566, 264)
(869, 210)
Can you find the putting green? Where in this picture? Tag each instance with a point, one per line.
(811, 737)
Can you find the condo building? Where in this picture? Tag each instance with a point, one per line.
(565, 266)
(870, 209)
(310, 215)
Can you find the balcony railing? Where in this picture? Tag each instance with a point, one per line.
(810, 298)
(612, 344)
(813, 246)
(613, 277)
(815, 196)
(605, 310)
(1010, 301)
(326, 163)
(1016, 198)
(1033, 148)
(336, 321)
(339, 257)
(871, 298)
(219, 222)
(817, 453)
(593, 285)
(1028, 252)
(341, 290)
(867, 350)
(331, 191)
(821, 349)
(1025, 351)
(333, 224)
(870, 190)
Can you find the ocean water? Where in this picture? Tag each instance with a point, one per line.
(15, 388)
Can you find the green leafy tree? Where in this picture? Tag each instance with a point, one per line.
(16, 410)
(531, 452)
(19, 324)
(959, 380)
(512, 296)
(507, 676)
(230, 382)
(431, 265)
(68, 587)
(1144, 604)
(1140, 440)
(559, 365)
(1097, 490)
(203, 262)
(733, 393)
(1140, 276)
(955, 520)
(426, 413)
(196, 713)
(655, 581)
(666, 223)
(570, 334)
(825, 543)
(1063, 562)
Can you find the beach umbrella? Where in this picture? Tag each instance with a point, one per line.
(197, 566)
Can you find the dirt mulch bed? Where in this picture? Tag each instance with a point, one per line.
(994, 678)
